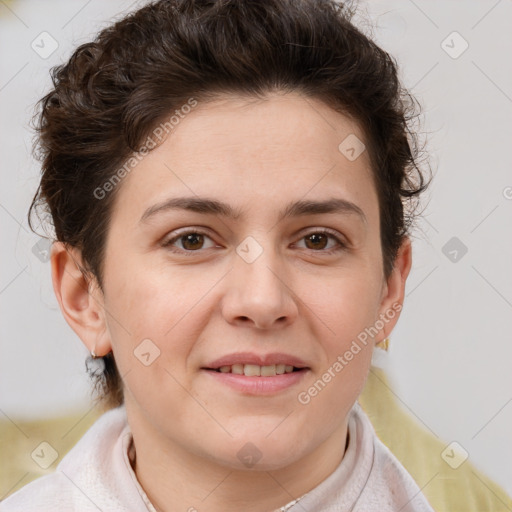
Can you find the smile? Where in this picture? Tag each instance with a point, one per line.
(254, 370)
(252, 379)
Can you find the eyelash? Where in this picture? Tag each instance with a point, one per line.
(324, 231)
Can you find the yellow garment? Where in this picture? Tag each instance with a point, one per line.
(462, 490)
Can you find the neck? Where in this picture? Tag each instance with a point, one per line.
(175, 479)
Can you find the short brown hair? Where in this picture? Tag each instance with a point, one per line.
(114, 90)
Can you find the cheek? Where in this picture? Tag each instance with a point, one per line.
(158, 304)
(150, 325)
(347, 357)
(347, 303)
(348, 309)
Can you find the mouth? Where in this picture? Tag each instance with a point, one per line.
(254, 370)
(252, 374)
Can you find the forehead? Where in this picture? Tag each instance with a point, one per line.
(254, 153)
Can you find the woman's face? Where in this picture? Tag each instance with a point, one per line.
(256, 281)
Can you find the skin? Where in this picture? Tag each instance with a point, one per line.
(257, 156)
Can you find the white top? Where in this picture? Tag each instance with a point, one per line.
(96, 474)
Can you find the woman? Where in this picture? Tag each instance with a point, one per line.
(232, 186)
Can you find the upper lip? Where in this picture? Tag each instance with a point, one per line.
(259, 359)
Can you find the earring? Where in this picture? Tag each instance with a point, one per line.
(384, 344)
(95, 366)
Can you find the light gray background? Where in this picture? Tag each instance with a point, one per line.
(451, 353)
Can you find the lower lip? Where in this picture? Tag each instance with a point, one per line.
(258, 385)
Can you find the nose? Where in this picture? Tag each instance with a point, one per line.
(259, 292)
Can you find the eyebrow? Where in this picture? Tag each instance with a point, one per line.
(210, 206)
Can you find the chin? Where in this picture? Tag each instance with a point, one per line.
(267, 462)
(258, 453)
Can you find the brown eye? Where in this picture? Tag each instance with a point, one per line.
(190, 241)
(318, 241)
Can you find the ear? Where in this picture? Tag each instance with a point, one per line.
(393, 290)
(80, 299)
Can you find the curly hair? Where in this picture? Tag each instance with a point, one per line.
(113, 91)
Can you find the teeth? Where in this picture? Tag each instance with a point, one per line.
(238, 369)
(268, 371)
(254, 370)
